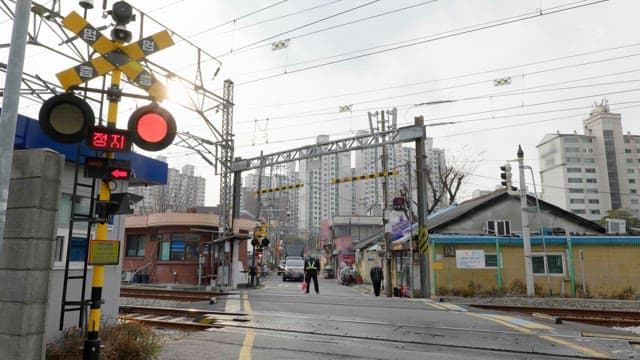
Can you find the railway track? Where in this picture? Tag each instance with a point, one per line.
(608, 318)
(173, 295)
(180, 319)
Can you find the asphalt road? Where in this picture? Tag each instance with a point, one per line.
(348, 322)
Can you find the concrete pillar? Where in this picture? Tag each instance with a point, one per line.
(26, 259)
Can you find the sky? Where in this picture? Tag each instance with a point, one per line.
(559, 57)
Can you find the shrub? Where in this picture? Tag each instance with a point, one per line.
(125, 341)
(626, 293)
(517, 288)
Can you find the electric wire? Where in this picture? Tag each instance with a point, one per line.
(267, 20)
(508, 21)
(455, 77)
(302, 26)
(329, 28)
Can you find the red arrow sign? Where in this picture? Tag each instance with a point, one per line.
(120, 173)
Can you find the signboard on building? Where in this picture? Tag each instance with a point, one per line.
(470, 259)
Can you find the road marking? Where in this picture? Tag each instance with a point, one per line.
(232, 304)
(247, 344)
(526, 326)
(502, 322)
(580, 348)
(446, 306)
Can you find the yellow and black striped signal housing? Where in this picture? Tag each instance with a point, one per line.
(280, 188)
(365, 177)
(114, 56)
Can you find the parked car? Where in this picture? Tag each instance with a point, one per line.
(280, 268)
(293, 269)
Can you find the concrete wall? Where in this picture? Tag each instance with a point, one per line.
(26, 258)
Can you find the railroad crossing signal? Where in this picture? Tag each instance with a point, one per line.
(114, 56)
(107, 139)
(104, 168)
(365, 177)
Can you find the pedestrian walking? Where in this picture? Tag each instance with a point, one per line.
(311, 269)
(376, 279)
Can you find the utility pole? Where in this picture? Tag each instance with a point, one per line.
(410, 206)
(526, 238)
(252, 271)
(385, 217)
(10, 102)
(423, 238)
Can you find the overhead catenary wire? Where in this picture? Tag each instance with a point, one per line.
(302, 26)
(507, 21)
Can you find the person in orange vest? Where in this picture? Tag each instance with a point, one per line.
(311, 269)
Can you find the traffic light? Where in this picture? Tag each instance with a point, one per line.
(120, 203)
(152, 127)
(264, 242)
(65, 118)
(506, 175)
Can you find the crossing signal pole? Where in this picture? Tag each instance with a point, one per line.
(68, 119)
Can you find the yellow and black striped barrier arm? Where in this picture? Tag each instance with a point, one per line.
(365, 177)
(114, 56)
(280, 188)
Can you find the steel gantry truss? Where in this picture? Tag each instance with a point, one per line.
(400, 135)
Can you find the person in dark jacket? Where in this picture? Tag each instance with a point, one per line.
(376, 279)
(311, 269)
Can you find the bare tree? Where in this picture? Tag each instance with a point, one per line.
(444, 181)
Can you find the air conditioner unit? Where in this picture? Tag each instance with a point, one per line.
(616, 226)
(126, 276)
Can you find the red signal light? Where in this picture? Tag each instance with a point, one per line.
(152, 127)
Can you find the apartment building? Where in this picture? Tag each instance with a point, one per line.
(183, 190)
(593, 172)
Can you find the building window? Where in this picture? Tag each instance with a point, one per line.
(59, 246)
(629, 161)
(576, 201)
(554, 264)
(595, 212)
(573, 160)
(499, 227)
(634, 201)
(632, 181)
(592, 191)
(590, 170)
(574, 170)
(578, 211)
(633, 191)
(591, 180)
(181, 247)
(491, 260)
(587, 140)
(575, 191)
(630, 171)
(571, 139)
(627, 151)
(572, 149)
(574, 180)
(589, 160)
(135, 245)
(594, 201)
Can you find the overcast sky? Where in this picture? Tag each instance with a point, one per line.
(561, 56)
